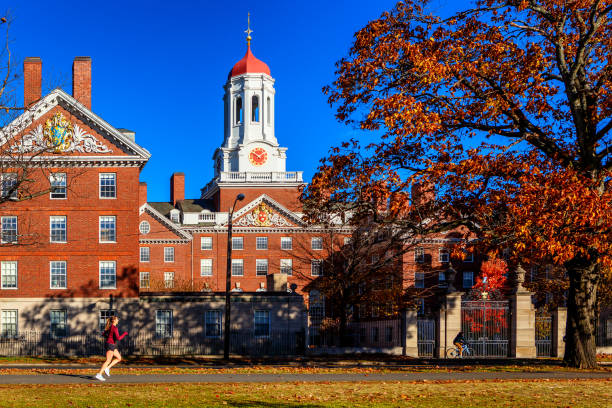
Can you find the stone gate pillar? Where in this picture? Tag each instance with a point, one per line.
(450, 316)
(410, 345)
(559, 320)
(522, 329)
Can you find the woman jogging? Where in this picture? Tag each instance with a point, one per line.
(111, 337)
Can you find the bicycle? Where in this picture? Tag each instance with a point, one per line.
(453, 352)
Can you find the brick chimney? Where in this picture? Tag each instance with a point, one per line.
(32, 80)
(81, 80)
(142, 193)
(177, 187)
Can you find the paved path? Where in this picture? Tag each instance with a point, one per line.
(251, 378)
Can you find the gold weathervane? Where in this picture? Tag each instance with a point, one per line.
(248, 31)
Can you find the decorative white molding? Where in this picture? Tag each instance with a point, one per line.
(290, 217)
(164, 220)
(59, 97)
(82, 142)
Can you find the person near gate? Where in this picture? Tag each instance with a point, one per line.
(459, 341)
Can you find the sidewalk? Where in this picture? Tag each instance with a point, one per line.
(87, 378)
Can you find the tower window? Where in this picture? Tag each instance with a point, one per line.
(268, 110)
(238, 110)
(255, 108)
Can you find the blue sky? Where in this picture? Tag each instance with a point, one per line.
(159, 68)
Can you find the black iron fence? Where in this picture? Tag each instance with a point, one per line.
(426, 337)
(604, 333)
(543, 335)
(485, 326)
(245, 343)
(377, 334)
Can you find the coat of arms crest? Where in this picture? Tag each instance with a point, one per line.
(58, 133)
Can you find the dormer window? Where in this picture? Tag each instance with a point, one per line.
(174, 216)
(255, 108)
(238, 111)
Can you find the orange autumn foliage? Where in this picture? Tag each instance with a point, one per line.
(505, 108)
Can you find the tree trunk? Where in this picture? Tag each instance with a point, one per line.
(584, 278)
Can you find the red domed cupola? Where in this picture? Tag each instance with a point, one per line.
(249, 65)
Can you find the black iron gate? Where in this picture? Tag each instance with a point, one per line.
(543, 335)
(426, 337)
(485, 326)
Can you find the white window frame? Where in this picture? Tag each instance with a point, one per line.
(442, 279)
(218, 321)
(168, 254)
(169, 280)
(14, 316)
(145, 254)
(286, 266)
(62, 178)
(144, 277)
(101, 177)
(165, 333)
(261, 243)
(261, 312)
(8, 181)
(235, 241)
(54, 220)
(105, 264)
(443, 255)
(316, 243)
(204, 243)
(144, 227)
(175, 217)
(471, 274)
(260, 264)
(286, 243)
(104, 314)
(64, 312)
(419, 280)
(316, 265)
(4, 221)
(235, 264)
(58, 269)
(206, 267)
(419, 255)
(106, 219)
(5, 268)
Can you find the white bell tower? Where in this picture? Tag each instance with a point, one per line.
(250, 154)
(249, 143)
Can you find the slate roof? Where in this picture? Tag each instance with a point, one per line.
(195, 206)
(163, 208)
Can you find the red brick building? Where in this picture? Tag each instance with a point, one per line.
(88, 241)
(69, 245)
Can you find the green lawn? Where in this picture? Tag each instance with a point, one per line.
(589, 393)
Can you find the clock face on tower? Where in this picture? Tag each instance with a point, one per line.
(258, 156)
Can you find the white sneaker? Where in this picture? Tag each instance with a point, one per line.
(107, 372)
(99, 377)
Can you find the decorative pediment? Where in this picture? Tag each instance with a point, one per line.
(60, 136)
(265, 212)
(60, 124)
(164, 221)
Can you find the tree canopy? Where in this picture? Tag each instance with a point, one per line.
(505, 108)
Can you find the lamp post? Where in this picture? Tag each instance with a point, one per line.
(228, 280)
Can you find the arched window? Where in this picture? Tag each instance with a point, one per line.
(268, 110)
(238, 110)
(255, 108)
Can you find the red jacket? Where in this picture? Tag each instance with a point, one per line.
(113, 335)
